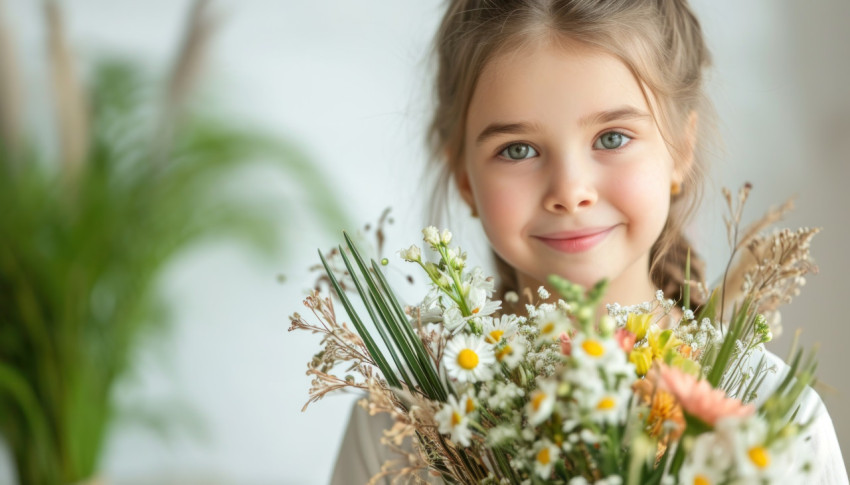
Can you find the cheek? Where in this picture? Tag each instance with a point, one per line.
(644, 195)
(503, 205)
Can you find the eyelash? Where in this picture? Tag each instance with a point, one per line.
(502, 149)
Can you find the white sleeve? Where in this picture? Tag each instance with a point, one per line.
(827, 460)
(828, 463)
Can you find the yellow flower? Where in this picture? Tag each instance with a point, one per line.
(662, 343)
(638, 324)
(642, 359)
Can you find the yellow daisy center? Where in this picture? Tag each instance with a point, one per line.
(468, 359)
(494, 336)
(605, 404)
(504, 352)
(470, 405)
(543, 456)
(593, 348)
(537, 400)
(548, 328)
(701, 480)
(456, 417)
(759, 456)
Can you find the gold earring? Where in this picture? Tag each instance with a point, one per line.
(675, 188)
(474, 213)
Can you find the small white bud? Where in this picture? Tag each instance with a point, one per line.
(432, 236)
(446, 237)
(412, 254)
(511, 297)
(543, 293)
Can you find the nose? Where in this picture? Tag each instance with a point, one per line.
(571, 185)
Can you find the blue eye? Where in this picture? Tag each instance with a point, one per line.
(611, 140)
(518, 151)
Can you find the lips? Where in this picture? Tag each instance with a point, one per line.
(576, 241)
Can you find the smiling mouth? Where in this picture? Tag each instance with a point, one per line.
(576, 241)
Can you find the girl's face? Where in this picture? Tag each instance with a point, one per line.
(566, 167)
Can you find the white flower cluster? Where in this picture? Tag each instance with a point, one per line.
(602, 378)
(594, 387)
(620, 313)
(698, 335)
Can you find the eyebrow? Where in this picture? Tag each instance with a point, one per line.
(621, 113)
(607, 116)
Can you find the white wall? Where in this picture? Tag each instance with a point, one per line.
(348, 81)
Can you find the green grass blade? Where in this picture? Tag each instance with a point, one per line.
(381, 362)
(725, 353)
(709, 309)
(389, 322)
(376, 319)
(413, 340)
(389, 339)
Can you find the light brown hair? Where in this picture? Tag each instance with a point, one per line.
(659, 41)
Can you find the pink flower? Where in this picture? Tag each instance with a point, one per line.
(625, 339)
(699, 399)
(566, 344)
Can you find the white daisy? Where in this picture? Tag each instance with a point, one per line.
(551, 325)
(541, 402)
(545, 455)
(453, 319)
(706, 462)
(498, 330)
(755, 460)
(476, 299)
(511, 353)
(452, 419)
(478, 279)
(604, 405)
(469, 359)
(596, 352)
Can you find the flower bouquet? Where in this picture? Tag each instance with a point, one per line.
(557, 395)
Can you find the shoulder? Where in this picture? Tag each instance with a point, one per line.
(829, 463)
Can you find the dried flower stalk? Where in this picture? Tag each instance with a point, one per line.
(772, 268)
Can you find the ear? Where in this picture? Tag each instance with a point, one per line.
(686, 161)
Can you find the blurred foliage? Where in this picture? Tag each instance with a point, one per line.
(82, 245)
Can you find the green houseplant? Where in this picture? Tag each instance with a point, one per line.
(85, 233)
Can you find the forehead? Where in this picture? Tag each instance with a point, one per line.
(551, 83)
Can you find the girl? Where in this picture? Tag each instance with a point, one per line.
(575, 131)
